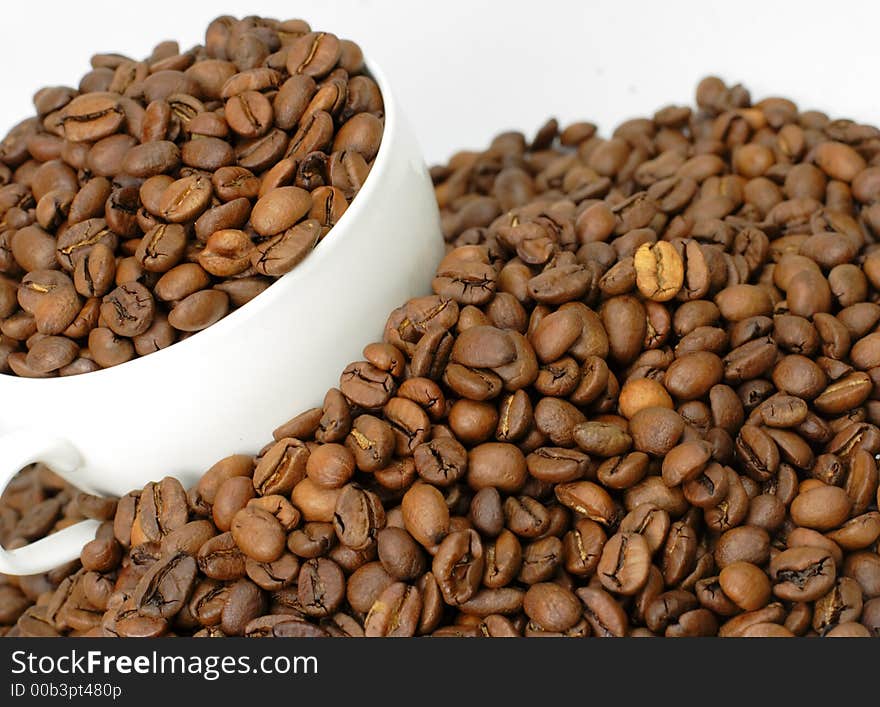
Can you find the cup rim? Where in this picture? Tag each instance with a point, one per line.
(346, 225)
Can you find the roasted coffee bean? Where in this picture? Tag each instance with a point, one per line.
(589, 500)
(281, 253)
(91, 116)
(244, 602)
(526, 517)
(51, 353)
(650, 522)
(372, 443)
(162, 509)
(358, 517)
(330, 465)
(395, 613)
(458, 566)
(273, 576)
(605, 616)
(316, 503)
(441, 461)
(558, 464)
(367, 386)
(821, 508)
(129, 309)
(659, 271)
(496, 464)
(188, 538)
(321, 587)
(258, 534)
(745, 543)
(199, 310)
(425, 514)
(758, 452)
(656, 430)
(625, 562)
(802, 573)
(601, 438)
(746, 585)
(281, 468)
(551, 607)
(685, 462)
(166, 586)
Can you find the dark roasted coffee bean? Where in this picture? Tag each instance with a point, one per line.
(129, 309)
(425, 514)
(551, 607)
(220, 558)
(258, 534)
(623, 567)
(162, 509)
(802, 573)
(321, 587)
(244, 602)
(165, 587)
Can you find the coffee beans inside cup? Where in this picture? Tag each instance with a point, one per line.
(160, 194)
(640, 402)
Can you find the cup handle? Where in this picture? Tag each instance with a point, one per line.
(17, 450)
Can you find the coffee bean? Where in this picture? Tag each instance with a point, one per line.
(551, 607)
(244, 602)
(281, 253)
(458, 566)
(746, 585)
(358, 517)
(321, 587)
(802, 573)
(129, 309)
(91, 116)
(441, 462)
(313, 54)
(758, 452)
(395, 613)
(685, 462)
(162, 247)
(496, 464)
(603, 613)
(656, 430)
(425, 515)
(650, 522)
(821, 508)
(162, 509)
(557, 464)
(659, 271)
(601, 438)
(590, 500)
(188, 538)
(623, 567)
(165, 587)
(199, 310)
(51, 353)
(258, 534)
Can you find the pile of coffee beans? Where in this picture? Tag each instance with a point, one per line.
(157, 196)
(35, 504)
(641, 401)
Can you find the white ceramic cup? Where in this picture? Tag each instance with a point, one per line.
(223, 391)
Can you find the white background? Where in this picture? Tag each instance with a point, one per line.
(465, 69)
